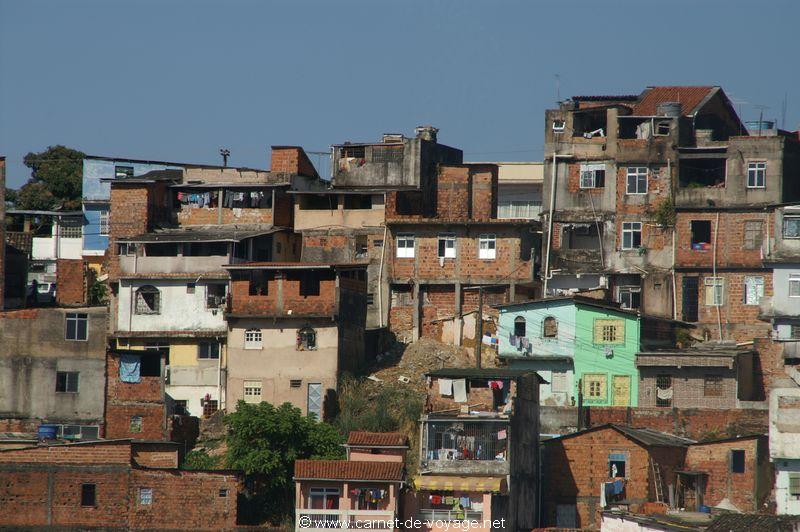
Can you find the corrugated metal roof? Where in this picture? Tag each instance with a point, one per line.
(645, 436)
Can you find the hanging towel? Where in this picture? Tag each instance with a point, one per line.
(617, 486)
(502, 435)
(512, 340)
(445, 387)
(664, 394)
(524, 342)
(436, 499)
(603, 490)
(130, 368)
(460, 390)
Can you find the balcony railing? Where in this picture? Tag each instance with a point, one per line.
(448, 515)
(310, 519)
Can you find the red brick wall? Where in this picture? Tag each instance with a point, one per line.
(291, 160)
(244, 303)
(70, 282)
(730, 240)
(127, 400)
(156, 455)
(118, 452)
(453, 194)
(694, 423)
(739, 488)
(484, 192)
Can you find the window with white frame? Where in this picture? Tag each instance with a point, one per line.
(145, 496)
(629, 297)
(405, 246)
(715, 287)
(756, 174)
(593, 176)
(447, 246)
(71, 231)
(794, 285)
(252, 339)
(519, 209)
(487, 247)
(252, 391)
(104, 217)
(77, 326)
(791, 227)
(636, 180)
(631, 235)
(753, 289)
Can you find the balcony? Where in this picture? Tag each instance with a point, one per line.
(307, 519)
(430, 515)
(465, 447)
(130, 264)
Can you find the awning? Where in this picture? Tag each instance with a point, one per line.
(452, 483)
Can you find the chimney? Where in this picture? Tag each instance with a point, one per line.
(426, 133)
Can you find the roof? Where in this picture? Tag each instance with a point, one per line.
(579, 300)
(149, 177)
(673, 522)
(706, 349)
(44, 213)
(240, 184)
(293, 265)
(689, 98)
(194, 276)
(481, 373)
(606, 97)
(348, 470)
(168, 163)
(204, 233)
(459, 483)
(360, 438)
(644, 436)
(184, 333)
(731, 439)
(729, 522)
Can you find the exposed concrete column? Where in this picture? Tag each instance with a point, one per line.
(279, 296)
(219, 206)
(417, 316)
(512, 291)
(458, 321)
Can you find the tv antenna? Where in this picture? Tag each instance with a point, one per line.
(225, 152)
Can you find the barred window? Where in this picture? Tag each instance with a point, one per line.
(252, 339)
(712, 386)
(609, 331)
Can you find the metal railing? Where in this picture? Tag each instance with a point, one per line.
(307, 519)
(465, 440)
(448, 515)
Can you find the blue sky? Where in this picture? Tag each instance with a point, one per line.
(177, 79)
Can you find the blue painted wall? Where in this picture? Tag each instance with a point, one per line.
(96, 194)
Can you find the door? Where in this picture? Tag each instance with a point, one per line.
(689, 297)
(621, 390)
(315, 399)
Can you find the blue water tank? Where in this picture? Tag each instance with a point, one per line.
(48, 432)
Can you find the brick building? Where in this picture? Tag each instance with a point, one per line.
(117, 483)
(135, 405)
(292, 329)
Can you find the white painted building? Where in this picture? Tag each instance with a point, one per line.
(784, 447)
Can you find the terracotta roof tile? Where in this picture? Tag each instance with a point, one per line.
(348, 470)
(689, 98)
(377, 439)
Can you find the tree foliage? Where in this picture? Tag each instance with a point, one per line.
(264, 441)
(389, 407)
(56, 179)
(201, 460)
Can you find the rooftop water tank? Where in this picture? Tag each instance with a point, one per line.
(47, 432)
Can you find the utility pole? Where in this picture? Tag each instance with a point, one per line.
(225, 152)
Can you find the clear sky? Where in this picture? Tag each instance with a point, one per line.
(177, 79)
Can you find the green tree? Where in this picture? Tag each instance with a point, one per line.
(200, 460)
(264, 441)
(56, 179)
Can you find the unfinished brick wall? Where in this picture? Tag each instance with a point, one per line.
(453, 193)
(110, 452)
(769, 366)
(742, 489)
(688, 387)
(155, 455)
(71, 282)
(730, 238)
(291, 160)
(484, 191)
(125, 401)
(284, 295)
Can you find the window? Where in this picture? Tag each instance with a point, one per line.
(756, 174)
(594, 387)
(662, 129)
(77, 326)
(88, 494)
(701, 235)
(519, 209)
(558, 382)
(753, 290)
(148, 300)
(67, 381)
(215, 295)
(690, 294)
(631, 235)
(447, 246)
(550, 327)
(794, 285)
(617, 463)
(252, 391)
(295, 383)
(145, 496)
(712, 386)
(487, 247)
(593, 176)
(358, 201)
(715, 287)
(315, 399)
(519, 326)
(737, 461)
(370, 299)
(753, 234)
(387, 154)
(405, 246)
(794, 485)
(664, 390)
(791, 227)
(306, 339)
(121, 172)
(794, 332)
(209, 407)
(629, 297)
(223, 492)
(636, 180)
(309, 283)
(208, 350)
(104, 222)
(609, 331)
(190, 288)
(136, 424)
(324, 498)
(259, 283)
(559, 125)
(252, 339)
(361, 246)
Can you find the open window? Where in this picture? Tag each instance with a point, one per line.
(259, 282)
(306, 339)
(701, 235)
(589, 123)
(629, 297)
(447, 246)
(148, 300)
(310, 283)
(215, 295)
(582, 236)
(519, 326)
(617, 465)
(409, 203)
(702, 172)
(593, 176)
(319, 202)
(358, 201)
(664, 390)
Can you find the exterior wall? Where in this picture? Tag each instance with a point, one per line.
(2, 231)
(730, 238)
(748, 490)
(292, 160)
(688, 387)
(180, 311)
(155, 455)
(780, 304)
(310, 219)
(283, 298)
(71, 282)
(279, 360)
(33, 349)
(125, 400)
(366, 454)
(47, 249)
(575, 467)
(786, 504)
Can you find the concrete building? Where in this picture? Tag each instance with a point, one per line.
(784, 447)
(52, 369)
(292, 328)
(480, 447)
(121, 484)
(519, 190)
